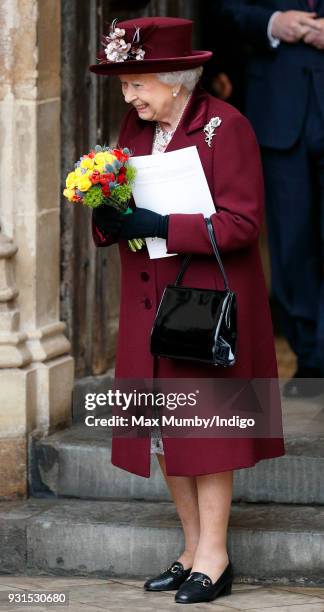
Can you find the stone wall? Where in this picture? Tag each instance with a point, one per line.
(36, 370)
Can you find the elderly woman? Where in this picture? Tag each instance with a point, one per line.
(159, 75)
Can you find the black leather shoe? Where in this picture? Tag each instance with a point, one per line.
(199, 587)
(307, 382)
(171, 579)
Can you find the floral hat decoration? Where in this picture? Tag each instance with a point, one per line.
(148, 44)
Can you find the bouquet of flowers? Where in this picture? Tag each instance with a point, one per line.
(103, 177)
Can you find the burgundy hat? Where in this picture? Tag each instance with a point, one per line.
(149, 44)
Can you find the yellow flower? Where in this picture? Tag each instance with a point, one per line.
(71, 180)
(100, 168)
(84, 183)
(87, 163)
(69, 193)
(99, 158)
(103, 158)
(78, 172)
(109, 158)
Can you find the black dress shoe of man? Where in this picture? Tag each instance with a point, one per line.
(199, 587)
(171, 579)
(307, 382)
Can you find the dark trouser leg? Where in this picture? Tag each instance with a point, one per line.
(315, 138)
(294, 247)
(321, 301)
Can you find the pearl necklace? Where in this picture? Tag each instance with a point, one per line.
(163, 137)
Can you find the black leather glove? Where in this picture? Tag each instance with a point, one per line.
(144, 223)
(108, 220)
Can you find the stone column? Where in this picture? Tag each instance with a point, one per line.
(36, 371)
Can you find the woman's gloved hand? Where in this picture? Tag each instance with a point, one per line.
(144, 223)
(108, 220)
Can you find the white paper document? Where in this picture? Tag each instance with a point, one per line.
(172, 182)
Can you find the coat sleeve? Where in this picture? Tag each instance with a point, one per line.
(100, 239)
(251, 19)
(238, 195)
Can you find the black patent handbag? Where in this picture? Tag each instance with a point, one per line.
(197, 324)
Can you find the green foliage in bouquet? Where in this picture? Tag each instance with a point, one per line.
(122, 194)
(131, 174)
(94, 197)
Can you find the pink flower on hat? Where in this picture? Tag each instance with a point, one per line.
(139, 53)
(116, 48)
(117, 33)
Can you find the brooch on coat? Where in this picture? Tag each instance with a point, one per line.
(210, 128)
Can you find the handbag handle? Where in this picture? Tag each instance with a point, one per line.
(217, 255)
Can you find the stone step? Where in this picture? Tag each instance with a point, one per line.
(72, 463)
(266, 542)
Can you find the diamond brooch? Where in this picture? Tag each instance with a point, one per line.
(210, 128)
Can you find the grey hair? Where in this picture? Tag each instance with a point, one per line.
(187, 78)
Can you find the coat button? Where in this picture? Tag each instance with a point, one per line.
(145, 276)
(147, 303)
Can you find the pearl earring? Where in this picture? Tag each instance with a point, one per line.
(174, 93)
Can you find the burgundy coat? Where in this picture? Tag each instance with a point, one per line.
(233, 170)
